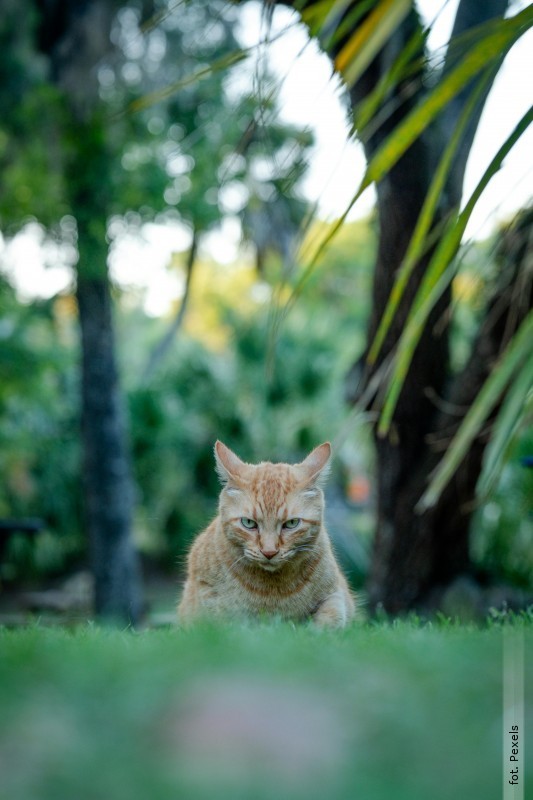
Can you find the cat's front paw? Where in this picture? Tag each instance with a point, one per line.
(332, 612)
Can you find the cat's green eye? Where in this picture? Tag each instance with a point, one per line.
(248, 523)
(290, 524)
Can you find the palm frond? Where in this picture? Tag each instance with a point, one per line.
(517, 352)
(437, 277)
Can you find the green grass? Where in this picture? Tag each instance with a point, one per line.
(375, 711)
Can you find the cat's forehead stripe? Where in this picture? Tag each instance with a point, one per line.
(266, 491)
(271, 493)
(273, 479)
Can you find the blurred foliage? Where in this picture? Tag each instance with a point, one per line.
(195, 155)
(39, 447)
(212, 150)
(215, 148)
(471, 291)
(219, 382)
(204, 396)
(32, 115)
(216, 383)
(503, 527)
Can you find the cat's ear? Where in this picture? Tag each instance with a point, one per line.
(228, 465)
(315, 468)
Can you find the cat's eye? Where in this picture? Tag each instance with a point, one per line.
(248, 523)
(291, 524)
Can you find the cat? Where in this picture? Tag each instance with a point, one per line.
(267, 553)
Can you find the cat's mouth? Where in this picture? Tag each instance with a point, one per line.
(269, 565)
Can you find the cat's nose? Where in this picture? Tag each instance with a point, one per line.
(270, 553)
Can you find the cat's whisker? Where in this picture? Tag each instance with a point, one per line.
(237, 561)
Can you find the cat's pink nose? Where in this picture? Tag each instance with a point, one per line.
(270, 553)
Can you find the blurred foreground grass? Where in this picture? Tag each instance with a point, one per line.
(376, 711)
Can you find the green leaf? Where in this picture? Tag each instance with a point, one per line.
(152, 98)
(325, 17)
(507, 422)
(369, 38)
(438, 275)
(487, 50)
(485, 53)
(419, 240)
(517, 351)
(340, 26)
(368, 115)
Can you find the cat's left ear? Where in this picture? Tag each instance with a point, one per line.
(315, 468)
(229, 466)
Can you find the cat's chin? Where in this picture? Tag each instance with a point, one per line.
(268, 567)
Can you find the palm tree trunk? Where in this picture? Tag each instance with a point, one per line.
(413, 554)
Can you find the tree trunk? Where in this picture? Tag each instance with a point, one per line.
(75, 36)
(107, 479)
(415, 553)
(107, 475)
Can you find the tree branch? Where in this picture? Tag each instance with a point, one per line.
(163, 346)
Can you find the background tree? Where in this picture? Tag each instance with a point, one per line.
(236, 159)
(75, 37)
(94, 138)
(380, 52)
(137, 145)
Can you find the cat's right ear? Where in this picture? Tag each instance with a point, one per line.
(314, 469)
(229, 466)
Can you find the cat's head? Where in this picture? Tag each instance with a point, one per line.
(272, 512)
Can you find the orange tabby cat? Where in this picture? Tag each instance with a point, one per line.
(267, 551)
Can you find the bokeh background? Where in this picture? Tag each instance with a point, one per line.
(163, 151)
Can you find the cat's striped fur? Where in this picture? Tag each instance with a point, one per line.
(235, 571)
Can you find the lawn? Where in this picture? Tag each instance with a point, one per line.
(375, 711)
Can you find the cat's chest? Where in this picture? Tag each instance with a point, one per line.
(247, 593)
